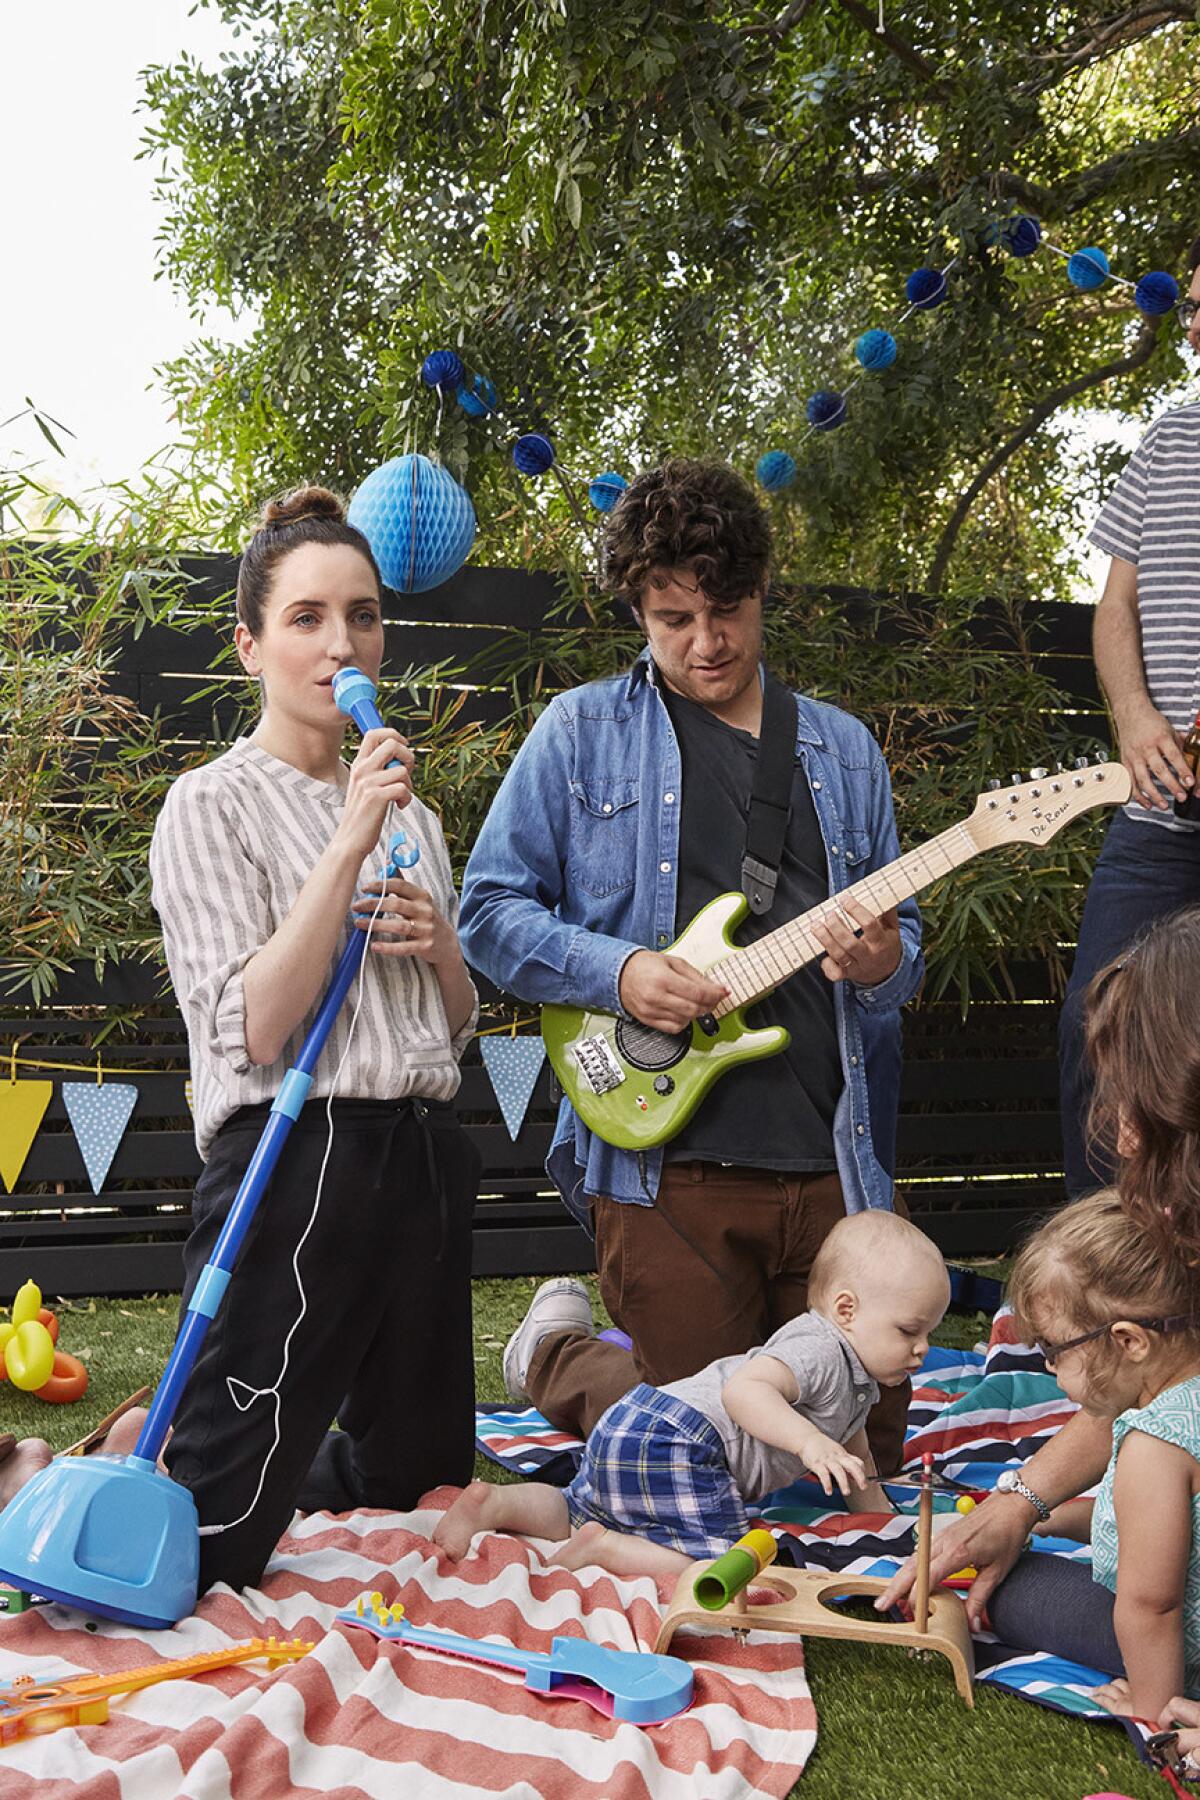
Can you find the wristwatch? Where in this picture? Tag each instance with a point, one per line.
(1010, 1483)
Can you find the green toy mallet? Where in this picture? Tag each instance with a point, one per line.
(734, 1570)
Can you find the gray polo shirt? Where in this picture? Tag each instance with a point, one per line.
(1152, 519)
(836, 1394)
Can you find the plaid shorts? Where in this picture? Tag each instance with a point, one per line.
(655, 1467)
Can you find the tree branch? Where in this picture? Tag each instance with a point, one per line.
(1104, 36)
(899, 47)
(1147, 338)
(787, 21)
(1085, 185)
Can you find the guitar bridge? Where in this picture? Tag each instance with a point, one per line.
(597, 1064)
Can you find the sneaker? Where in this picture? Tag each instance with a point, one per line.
(558, 1305)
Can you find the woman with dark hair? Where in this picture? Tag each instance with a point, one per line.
(1144, 1050)
(351, 1294)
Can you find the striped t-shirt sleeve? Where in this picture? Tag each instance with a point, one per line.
(215, 915)
(1118, 529)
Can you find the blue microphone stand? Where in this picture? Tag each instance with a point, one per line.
(113, 1535)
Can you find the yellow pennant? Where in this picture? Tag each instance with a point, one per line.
(22, 1107)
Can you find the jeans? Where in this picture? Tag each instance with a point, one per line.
(1047, 1603)
(1143, 873)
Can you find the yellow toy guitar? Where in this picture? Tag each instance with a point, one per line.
(636, 1087)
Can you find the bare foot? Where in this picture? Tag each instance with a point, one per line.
(124, 1434)
(30, 1455)
(475, 1510)
(582, 1549)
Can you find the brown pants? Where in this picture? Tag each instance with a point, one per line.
(718, 1264)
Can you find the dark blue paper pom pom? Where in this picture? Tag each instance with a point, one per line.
(533, 454)
(825, 409)
(925, 287)
(1156, 293)
(775, 470)
(479, 398)
(1020, 235)
(605, 490)
(876, 349)
(442, 369)
(1087, 269)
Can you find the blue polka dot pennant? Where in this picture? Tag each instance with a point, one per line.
(513, 1065)
(99, 1112)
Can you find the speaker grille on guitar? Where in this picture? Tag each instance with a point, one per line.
(646, 1048)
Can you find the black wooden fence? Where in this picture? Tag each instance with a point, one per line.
(979, 1148)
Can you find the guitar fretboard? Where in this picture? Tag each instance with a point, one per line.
(754, 969)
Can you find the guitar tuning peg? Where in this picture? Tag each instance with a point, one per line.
(1014, 781)
(1081, 762)
(1102, 756)
(993, 785)
(1060, 768)
(1038, 774)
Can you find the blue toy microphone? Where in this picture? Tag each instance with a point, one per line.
(354, 693)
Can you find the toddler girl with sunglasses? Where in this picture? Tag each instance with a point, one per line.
(1117, 1324)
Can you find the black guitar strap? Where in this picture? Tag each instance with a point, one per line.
(771, 798)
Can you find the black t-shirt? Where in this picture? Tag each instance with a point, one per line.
(776, 1113)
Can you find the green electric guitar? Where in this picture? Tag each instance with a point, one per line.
(636, 1087)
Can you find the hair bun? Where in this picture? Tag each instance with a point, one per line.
(307, 502)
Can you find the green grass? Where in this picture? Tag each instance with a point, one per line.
(891, 1724)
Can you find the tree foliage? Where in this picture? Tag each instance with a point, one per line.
(660, 228)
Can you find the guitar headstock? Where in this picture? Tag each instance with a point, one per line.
(1031, 812)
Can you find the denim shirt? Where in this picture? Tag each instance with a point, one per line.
(575, 869)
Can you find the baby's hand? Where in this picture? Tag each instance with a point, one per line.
(830, 1462)
(1115, 1696)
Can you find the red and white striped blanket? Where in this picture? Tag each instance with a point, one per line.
(361, 1717)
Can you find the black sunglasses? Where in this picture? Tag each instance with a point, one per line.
(1051, 1352)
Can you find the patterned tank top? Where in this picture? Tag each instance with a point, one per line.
(1173, 1416)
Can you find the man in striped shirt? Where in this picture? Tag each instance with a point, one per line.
(1147, 650)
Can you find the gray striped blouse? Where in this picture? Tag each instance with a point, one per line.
(233, 846)
(1152, 519)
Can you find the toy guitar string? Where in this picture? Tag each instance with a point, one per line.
(30, 1705)
(355, 696)
(633, 1686)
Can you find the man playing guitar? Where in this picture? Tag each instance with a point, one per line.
(622, 815)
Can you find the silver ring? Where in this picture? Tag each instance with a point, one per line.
(1189, 1765)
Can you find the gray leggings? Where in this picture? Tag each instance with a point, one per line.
(1048, 1603)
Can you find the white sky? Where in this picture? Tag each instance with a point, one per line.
(82, 320)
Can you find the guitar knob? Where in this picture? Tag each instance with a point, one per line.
(663, 1084)
(1081, 762)
(1038, 774)
(992, 786)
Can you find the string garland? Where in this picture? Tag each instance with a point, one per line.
(1020, 235)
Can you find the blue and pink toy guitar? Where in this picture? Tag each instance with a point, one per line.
(630, 1685)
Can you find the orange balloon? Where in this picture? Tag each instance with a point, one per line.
(50, 1321)
(68, 1382)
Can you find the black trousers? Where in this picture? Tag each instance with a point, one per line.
(385, 1343)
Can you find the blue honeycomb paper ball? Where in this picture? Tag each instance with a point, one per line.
(442, 369)
(925, 288)
(1021, 234)
(775, 470)
(1087, 268)
(1156, 293)
(825, 409)
(605, 490)
(419, 523)
(533, 454)
(876, 350)
(478, 399)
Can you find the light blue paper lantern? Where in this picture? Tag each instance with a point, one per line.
(876, 350)
(775, 470)
(1087, 268)
(605, 490)
(419, 523)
